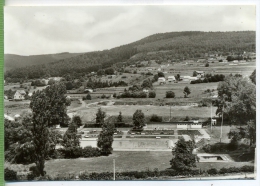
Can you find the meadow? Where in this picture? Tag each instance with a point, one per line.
(123, 162)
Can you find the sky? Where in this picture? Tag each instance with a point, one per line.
(48, 30)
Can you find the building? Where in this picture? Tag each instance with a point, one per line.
(189, 125)
(19, 95)
(161, 80)
(193, 78)
(201, 60)
(185, 78)
(200, 73)
(171, 79)
(8, 117)
(195, 124)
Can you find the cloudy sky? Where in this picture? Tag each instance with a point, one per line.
(45, 30)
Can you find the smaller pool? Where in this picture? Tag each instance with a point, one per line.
(212, 158)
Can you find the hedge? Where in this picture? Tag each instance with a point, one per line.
(132, 175)
(10, 175)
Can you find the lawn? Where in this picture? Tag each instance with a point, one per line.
(216, 132)
(196, 90)
(89, 114)
(125, 161)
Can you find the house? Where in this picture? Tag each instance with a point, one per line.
(200, 73)
(193, 78)
(19, 95)
(8, 117)
(185, 78)
(201, 60)
(145, 90)
(88, 90)
(161, 80)
(171, 79)
(45, 81)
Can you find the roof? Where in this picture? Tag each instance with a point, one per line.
(171, 77)
(175, 122)
(21, 91)
(185, 77)
(8, 117)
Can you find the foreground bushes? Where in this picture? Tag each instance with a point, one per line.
(10, 175)
(135, 175)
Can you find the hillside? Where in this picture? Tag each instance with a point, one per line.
(13, 61)
(160, 47)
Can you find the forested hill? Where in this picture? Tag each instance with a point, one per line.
(175, 45)
(16, 61)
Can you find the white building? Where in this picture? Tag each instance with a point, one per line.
(171, 79)
(161, 80)
(19, 95)
(8, 117)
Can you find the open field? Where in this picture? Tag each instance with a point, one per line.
(88, 114)
(196, 90)
(142, 161)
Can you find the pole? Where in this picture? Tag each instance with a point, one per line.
(114, 165)
(211, 117)
(221, 123)
(170, 113)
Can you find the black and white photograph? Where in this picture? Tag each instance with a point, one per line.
(130, 93)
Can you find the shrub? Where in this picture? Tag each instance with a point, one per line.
(88, 97)
(71, 152)
(90, 152)
(103, 96)
(212, 171)
(156, 118)
(170, 94)
(233, 169)
(207, 65)
(223, 170)
(247, 168)
(10, 175)
(152, 94)
(187, 118)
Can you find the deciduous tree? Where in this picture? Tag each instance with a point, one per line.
(105, 138)
(100, 117)
(183, 159)
(186, 91)
(120, 118)
(138, 119)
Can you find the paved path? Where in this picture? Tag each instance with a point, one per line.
(204, 134)
(227, 177)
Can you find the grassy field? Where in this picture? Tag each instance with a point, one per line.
(125, 161)
(196, 90)
(88, 114)
(216, 131)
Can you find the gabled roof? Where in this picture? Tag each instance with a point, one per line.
(21, 92)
